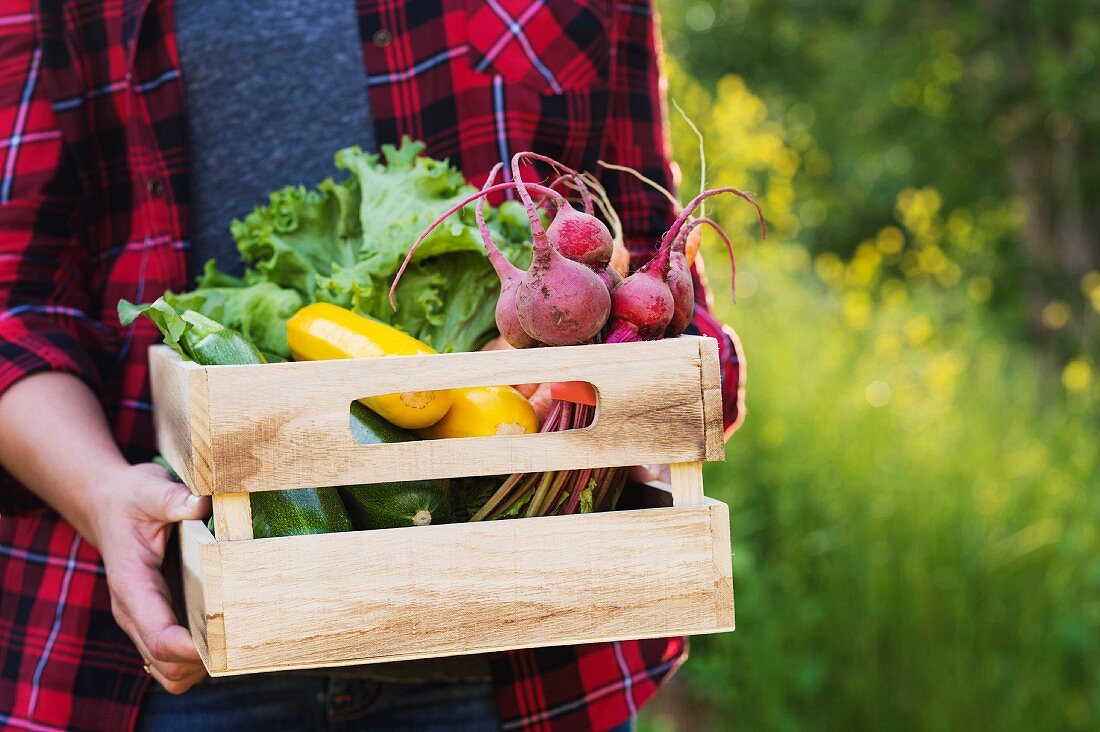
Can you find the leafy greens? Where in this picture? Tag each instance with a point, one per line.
(343, 241)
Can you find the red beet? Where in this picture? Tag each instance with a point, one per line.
(578, 235)
(641, 307)
(510, 275)
(557, 301)
(561, 302)
(581, 237)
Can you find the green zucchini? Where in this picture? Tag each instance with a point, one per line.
(296, 512)
(392, 505)
(223, 347)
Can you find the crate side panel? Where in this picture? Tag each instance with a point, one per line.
(723, 564)
(286, 425)
(711, 392)
(201, 565)
(371, 596)
(171, 380)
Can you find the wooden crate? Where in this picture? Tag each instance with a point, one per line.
(372, 596)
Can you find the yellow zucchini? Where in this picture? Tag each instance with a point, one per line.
(482, 411)
(323, 331)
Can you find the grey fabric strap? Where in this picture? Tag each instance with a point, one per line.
(273, 90)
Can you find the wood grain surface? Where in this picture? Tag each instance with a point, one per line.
(277, 426)
(372, 596)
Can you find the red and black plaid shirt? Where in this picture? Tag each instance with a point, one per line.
(93, 208)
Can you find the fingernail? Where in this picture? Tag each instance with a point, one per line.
(193, 501)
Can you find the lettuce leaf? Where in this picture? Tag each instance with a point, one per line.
(343, 241)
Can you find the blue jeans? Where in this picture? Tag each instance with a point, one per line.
(308, 703)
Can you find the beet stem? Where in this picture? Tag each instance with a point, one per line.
(497, 497)
(681, 242)
(679, 222)
(458, 207)
(504, 268)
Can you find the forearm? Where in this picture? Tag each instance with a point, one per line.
(54, 439)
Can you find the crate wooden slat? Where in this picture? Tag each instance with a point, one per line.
(661, 568)
(400, 594)
(276, 426)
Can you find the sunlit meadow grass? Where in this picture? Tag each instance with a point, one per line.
(914, 497)
(915, 509)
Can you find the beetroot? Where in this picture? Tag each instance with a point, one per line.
(641, 307)
(557, 301)
(510, 275)
(658, 300)
(578, 235)
(671, 234)
(610, 277)
(581, 237)
(561, 302)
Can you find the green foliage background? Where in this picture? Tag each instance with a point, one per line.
(915, 494)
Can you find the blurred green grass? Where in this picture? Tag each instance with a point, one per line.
(929, 563)
(914, 495)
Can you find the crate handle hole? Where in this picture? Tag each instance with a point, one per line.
(568, 402)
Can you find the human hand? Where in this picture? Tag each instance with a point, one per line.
(138, 506)
(651, 474)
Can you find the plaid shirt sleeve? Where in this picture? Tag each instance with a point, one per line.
(637, 136)
(43, 295)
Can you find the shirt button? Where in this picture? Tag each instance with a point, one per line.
(155, 186)
(382, 38)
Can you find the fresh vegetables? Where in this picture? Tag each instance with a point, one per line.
(569, 295)
(297, 512)
(506, 319)
(679, 281)
(557, 301)
(342, 242)
(644, 303)
(319, 262)
(482, 411)
(323, 331)
(578, 236)
(193, 335)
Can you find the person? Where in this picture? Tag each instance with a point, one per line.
(116, 184)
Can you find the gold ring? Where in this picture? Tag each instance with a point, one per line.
(146, 667)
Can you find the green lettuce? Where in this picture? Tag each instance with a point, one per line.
(343, 241)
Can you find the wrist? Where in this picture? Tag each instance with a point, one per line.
(95, 498)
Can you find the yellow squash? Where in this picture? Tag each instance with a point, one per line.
(481, 411)
(322, 332)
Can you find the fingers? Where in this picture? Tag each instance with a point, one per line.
(173, 646)
(139, 599)
(164, 499)
(168, 501)
(650, 474)
(176, 684)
